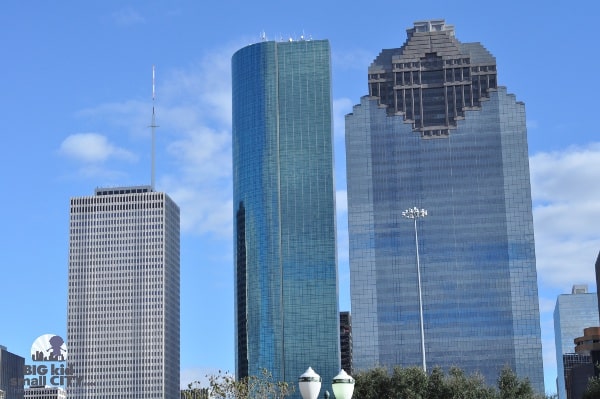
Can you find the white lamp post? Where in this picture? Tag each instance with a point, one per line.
(310, 384)
(343, 386)
(416, 213)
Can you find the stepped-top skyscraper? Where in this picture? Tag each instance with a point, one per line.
(284, 207)
(436, 132)
(123, 306)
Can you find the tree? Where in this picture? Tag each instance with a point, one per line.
(436, 385)
(593, 389)
(371, 384)
(408, 383)
(461, 386)
(195, 391)
(511, 387)
(224, 386)
(413, 383)
(379, 383)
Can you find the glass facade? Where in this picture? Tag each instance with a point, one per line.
(123, 310)
(12, 368)
(572, 313)
(467, 164)
(284, 206)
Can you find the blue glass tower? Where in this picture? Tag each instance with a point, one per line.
(284, 206)
(436, 132)
(572, 313)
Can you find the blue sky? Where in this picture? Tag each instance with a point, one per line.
(75, 105)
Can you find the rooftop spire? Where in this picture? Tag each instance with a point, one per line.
(153, 126)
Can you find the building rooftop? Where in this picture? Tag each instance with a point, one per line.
(123, 190)
(579, 289)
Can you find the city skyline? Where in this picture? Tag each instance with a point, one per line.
(77, 102)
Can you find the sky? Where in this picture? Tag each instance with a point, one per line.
(76, 103)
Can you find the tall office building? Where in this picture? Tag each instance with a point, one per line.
(284, 207)
(436, 132)
(123, 305)
(12, 368)
(572, 313)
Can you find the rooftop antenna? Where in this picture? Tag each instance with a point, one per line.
(153, 126)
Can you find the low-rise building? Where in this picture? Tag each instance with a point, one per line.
(12, 368)
(45, 393)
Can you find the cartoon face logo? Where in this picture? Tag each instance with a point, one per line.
(49, 348)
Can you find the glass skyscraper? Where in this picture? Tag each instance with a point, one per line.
(123, 310)
(572, 313)
(437, 132)
(286, 289)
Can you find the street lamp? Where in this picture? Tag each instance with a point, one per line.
(310, 385)
(342, 386)
(416, 213)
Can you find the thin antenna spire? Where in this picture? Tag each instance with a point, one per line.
(153, 126)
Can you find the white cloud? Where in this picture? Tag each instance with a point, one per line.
(566, 214)
(203, 154)
(565, 176)
(193, 110)
(203, 209)
(93, 148)
(198, 107)
(206, 84)
(201, 182)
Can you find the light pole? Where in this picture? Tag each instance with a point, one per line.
(414, 214)
(310, 385)
(342, 386)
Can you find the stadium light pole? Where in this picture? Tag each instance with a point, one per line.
(414, 214)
